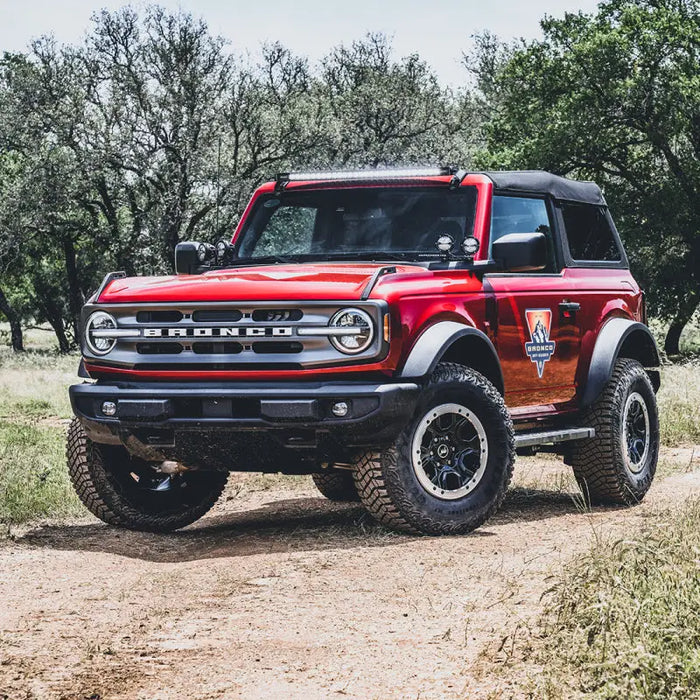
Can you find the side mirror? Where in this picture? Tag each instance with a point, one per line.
(520, 252)
(192, 257)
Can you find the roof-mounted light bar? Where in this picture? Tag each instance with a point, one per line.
(373, 175)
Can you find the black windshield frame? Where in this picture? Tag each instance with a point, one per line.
(398, 223)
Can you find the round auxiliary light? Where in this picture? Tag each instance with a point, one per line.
(109, 408)
(359, 331)
(97, 332)
(205, 251)
(340, 409)
(221, 249)
(470, 246)
(445, 243)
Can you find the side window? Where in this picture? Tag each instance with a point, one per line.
(589, 233)
(522, 215)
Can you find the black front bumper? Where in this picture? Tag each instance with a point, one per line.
(268, 427)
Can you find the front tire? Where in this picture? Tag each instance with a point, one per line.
(617, 466)
(449, 469)
(127, 492)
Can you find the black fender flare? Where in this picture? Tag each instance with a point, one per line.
(435, 341)
(611, 338)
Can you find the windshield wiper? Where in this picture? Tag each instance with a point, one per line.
(380, 256)
(263, 260)
(362, 256)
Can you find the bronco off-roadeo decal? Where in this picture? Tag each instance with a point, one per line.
(540, 348)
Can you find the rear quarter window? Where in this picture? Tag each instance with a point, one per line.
(589, 234)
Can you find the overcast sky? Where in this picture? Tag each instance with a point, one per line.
(437, 29)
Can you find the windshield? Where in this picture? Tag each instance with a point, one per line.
(369, 223)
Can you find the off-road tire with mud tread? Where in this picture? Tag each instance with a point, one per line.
(388, 486)
(336, 485)
(102, 496)
(598, 463)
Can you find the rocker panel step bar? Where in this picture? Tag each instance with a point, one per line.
(551, 437)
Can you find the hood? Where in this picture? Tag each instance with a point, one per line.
(319, 281)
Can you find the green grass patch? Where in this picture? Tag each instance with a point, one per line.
(35, 385)
(40, 338)
(33, 476)
(679, 404)
(35, 408)
(33, 405)
(623, 621)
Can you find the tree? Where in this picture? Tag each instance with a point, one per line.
(178, 130)
(152, 131)
(382, 111)
(42, 224)
(615, 97)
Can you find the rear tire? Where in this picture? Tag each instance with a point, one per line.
(617, 466)
(127, 492)
(336, 485)
(449, 469)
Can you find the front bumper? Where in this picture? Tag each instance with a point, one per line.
(261, 426)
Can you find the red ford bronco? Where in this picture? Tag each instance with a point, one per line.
(398, 334)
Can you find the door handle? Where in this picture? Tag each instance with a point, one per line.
(567, 311)
(569, 307)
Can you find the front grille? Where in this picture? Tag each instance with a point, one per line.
(159, 348)
(272, 348)
(226, 336)
(217, 348)
(159, 316)
(280, 315)
(216, 316)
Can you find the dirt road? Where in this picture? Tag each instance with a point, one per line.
(281, 594)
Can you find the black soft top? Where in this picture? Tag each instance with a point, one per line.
(541, 182)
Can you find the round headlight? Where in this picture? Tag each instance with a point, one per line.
(355, 331)
(99, 342)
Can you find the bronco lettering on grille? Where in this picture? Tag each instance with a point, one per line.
(274, 331)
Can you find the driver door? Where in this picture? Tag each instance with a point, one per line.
(535, 325)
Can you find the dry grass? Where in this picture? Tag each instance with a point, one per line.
(622, 621)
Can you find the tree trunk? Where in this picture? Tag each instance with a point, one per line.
(14, 321)
(75, 298)
(53, 315)
(60, 331)
(679, 322)
(673, 336)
